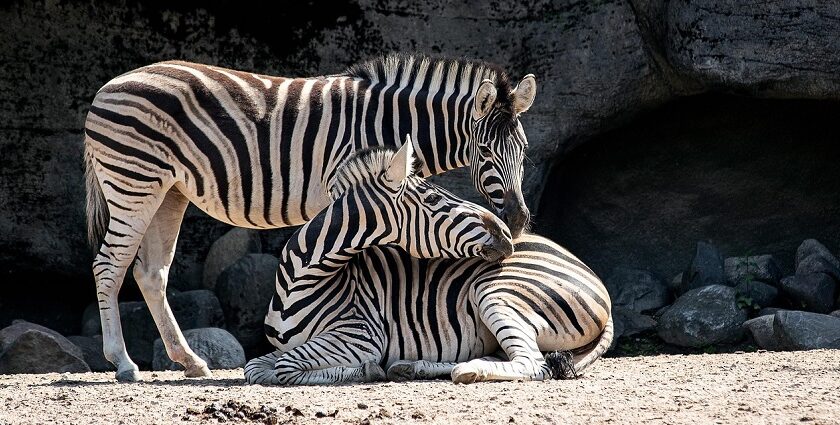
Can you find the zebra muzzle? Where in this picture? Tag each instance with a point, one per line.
(500, 244)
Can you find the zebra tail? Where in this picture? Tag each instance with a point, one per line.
(586, 358)
(261, 371)
(95, 206)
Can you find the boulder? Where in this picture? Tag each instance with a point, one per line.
(760, 294)
(91, 347)
(813, 247)
(835, 313)
(226, 250)
(706, 268)
(761, 329)
(816, 263)
(802, 330)
(196, 309)
(29, 348)
(703, 316)
(216, 346)
(636, 290)
(245, 289)
(631, 322)
(811, 292)
(763, 268)
(768, 311)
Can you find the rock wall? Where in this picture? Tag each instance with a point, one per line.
(598, 64)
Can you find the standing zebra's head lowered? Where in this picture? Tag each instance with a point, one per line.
(497, 147)
(396, 206)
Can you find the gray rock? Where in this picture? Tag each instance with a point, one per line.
(812, 292)
(245, 289)
(90, 320)
(29, 348)
(835, 313)
(197, 309)
(768, 311)
(637, 290)
(756, 47)
(761, 329)
(632, 322)
(816, 263)
(706, 268)
(801, 330)
(703, 316)
(227, 250)
(813, 247)
(763, 268)
(92, 349)
(19, 327)
(216, 346)
(760, 294)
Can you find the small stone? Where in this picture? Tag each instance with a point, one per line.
(362, 406)
(811, 247)
(835, 313)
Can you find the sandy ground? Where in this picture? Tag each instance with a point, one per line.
(763, 387)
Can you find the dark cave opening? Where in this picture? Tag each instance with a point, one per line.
(753, 176)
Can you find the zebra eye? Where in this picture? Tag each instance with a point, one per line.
(485, 151)
(434, 198)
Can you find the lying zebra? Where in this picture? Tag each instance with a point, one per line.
(346, 303)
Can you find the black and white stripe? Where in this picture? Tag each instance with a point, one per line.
(257, 151)
(348, 303)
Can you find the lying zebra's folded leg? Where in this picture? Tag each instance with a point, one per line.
(337, 362)
(408, 370)
(518, 342)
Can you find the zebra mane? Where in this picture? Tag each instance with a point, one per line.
(392, 65)
(362, 166)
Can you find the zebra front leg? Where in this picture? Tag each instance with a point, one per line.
(408, 370)
(151, 270)
(519, 344)
(329, 358)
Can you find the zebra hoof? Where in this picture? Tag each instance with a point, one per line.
(465, 374)
(373, 372)
(130, 375)
(402, 371)
(198, 371)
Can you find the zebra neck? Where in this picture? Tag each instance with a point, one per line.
(322, 247)
(437, 115)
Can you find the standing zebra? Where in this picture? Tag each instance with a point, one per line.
(346, 304)
(256, 151)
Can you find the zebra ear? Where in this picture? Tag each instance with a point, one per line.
(401, 163)
(485, 98)
(524, 93)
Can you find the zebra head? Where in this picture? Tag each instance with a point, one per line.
(420, 217)
(497, 148)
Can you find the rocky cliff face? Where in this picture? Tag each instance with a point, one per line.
(598, 64)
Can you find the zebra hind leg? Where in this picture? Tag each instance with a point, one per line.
(151, 270)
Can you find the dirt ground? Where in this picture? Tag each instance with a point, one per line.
(762, 387)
